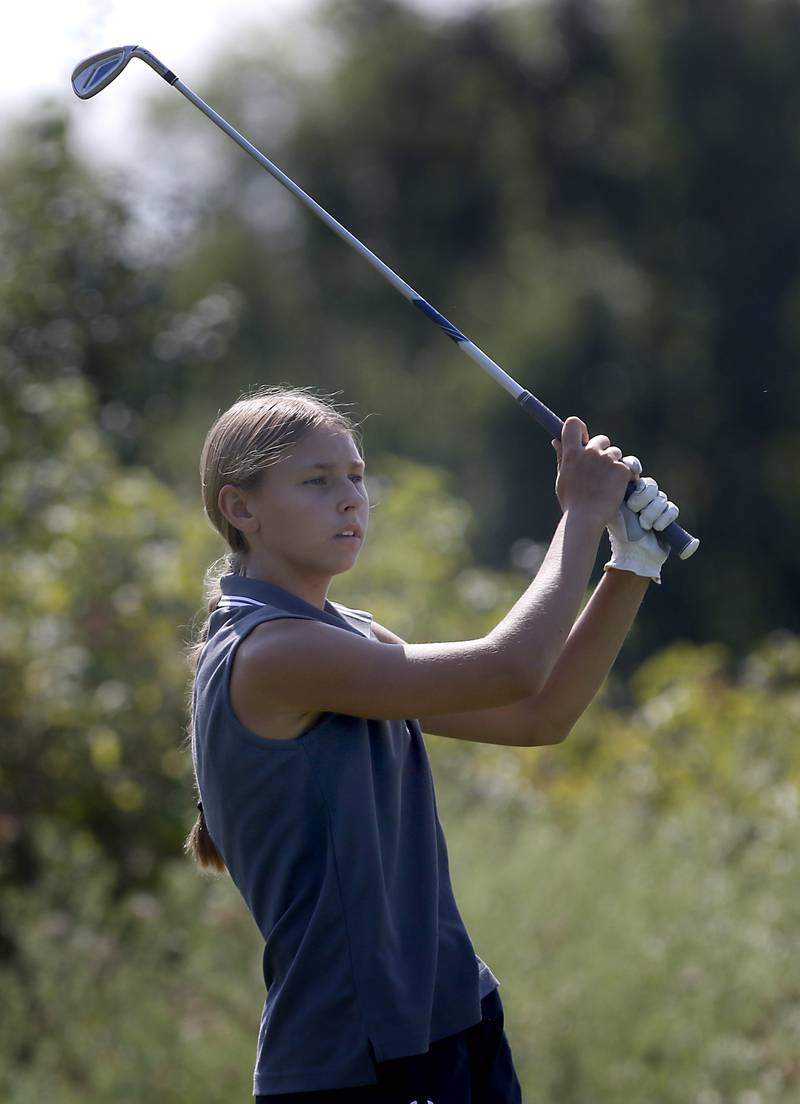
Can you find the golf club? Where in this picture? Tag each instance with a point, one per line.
(96, 72)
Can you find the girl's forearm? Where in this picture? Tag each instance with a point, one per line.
(535, 630)
(590, 649)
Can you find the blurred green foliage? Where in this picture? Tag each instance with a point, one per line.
(603, 195)
(694, 724)
(644, 953)
(639, 961)
(99, 579)
(149, 997)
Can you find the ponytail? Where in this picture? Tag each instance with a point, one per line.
(201, 846)
(199, 843)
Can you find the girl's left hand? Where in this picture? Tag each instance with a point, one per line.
(655, 512)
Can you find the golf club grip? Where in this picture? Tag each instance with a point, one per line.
(681, 542)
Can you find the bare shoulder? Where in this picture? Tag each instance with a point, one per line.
(254, 710)
(265, 641)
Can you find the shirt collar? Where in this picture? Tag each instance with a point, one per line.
(264, 593)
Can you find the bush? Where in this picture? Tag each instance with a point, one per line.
(640, 960)
(151, 998)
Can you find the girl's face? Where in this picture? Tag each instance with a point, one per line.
(292, 519)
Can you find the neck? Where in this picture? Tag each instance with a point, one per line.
(312, 589)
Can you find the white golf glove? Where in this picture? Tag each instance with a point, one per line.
(646, 555)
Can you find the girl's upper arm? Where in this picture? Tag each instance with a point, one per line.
(300, 665)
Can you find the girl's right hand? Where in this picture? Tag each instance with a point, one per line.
(591, 477)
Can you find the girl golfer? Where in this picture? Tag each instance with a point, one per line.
(316, 793)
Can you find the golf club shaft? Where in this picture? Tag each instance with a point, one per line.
(396, 281)
(683, 543)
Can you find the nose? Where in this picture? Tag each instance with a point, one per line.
(354, 495)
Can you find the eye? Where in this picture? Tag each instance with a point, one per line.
(318, 478)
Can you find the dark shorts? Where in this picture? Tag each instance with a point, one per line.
(472, 1067)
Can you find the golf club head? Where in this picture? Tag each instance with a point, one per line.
(92, 74)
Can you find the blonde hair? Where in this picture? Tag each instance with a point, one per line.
(243, 442)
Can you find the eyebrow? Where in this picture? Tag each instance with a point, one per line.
(328, 466)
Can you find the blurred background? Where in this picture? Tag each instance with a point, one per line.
(603, 194)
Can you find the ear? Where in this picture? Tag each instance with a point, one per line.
(233, 506)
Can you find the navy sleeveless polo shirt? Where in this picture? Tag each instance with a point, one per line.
(334, 841)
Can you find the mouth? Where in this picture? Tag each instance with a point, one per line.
(349, 533)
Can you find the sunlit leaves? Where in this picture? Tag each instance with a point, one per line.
(700, 727)
(99, 570)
